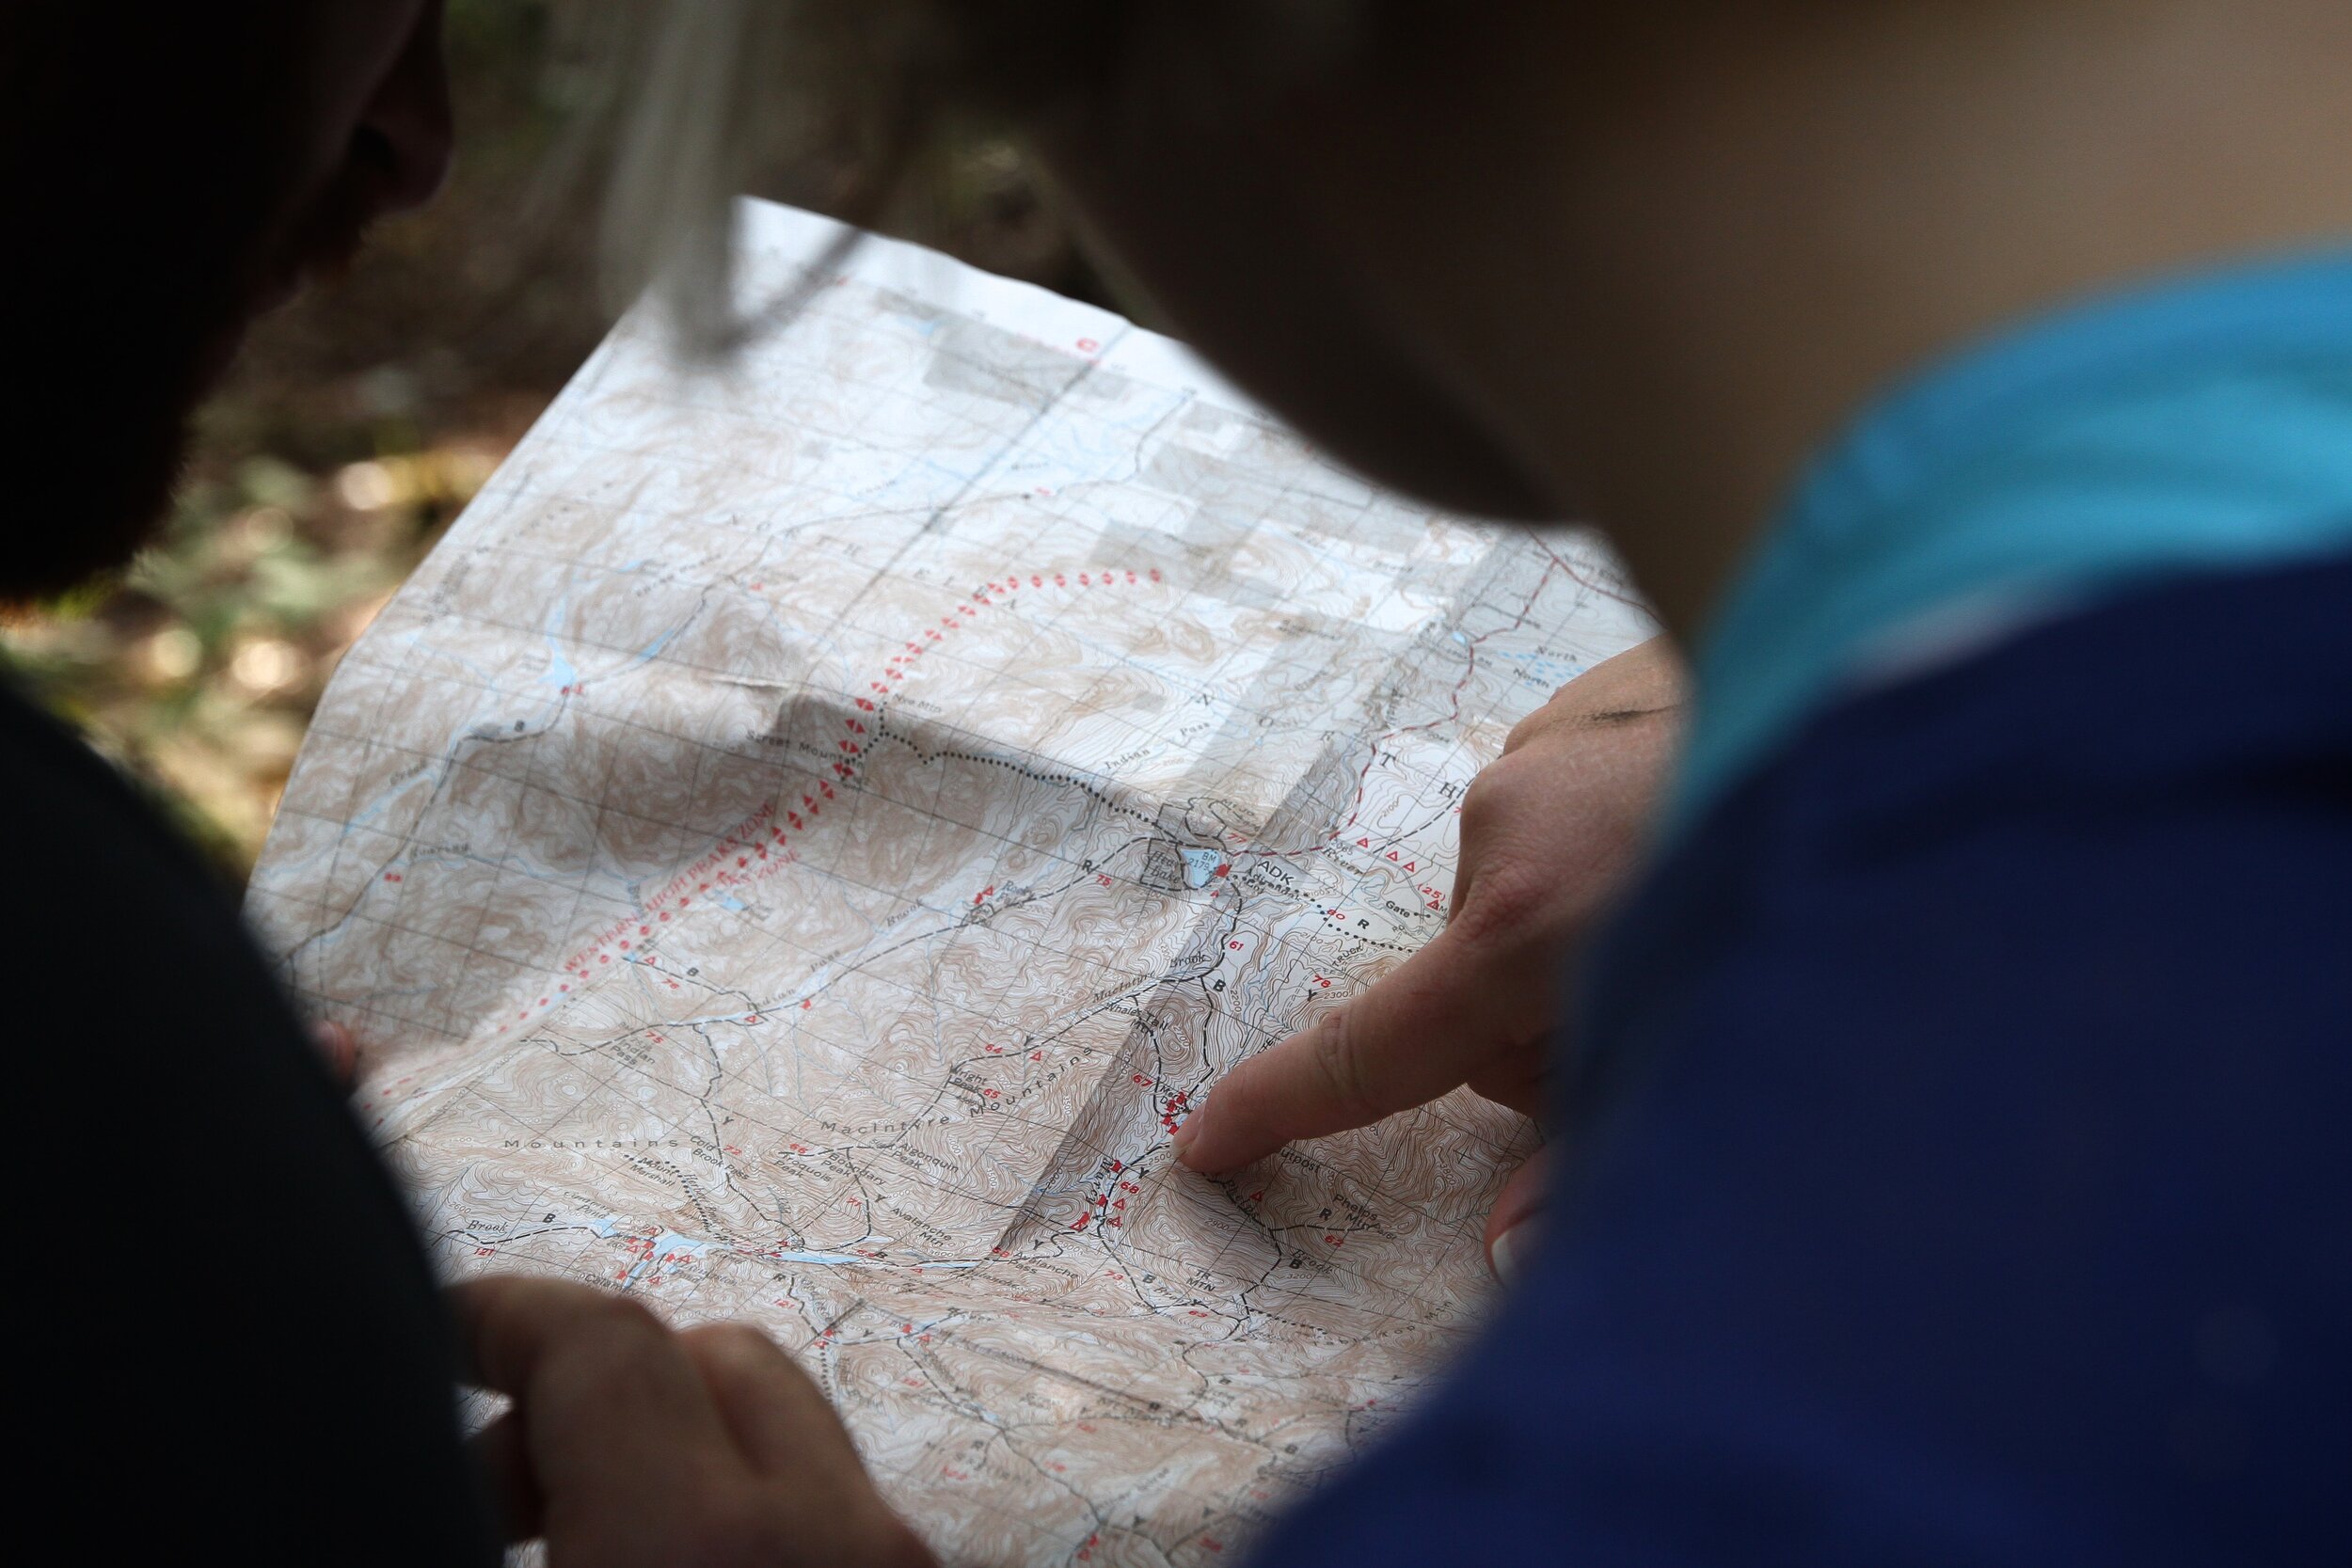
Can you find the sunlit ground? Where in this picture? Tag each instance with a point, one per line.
(199, 669)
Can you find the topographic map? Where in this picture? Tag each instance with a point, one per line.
(804, 838)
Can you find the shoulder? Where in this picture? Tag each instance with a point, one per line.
(1956, 1168)
(170, 1104)
(80, 838)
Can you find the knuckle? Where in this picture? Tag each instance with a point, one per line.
(1507, 909)
(627, 1327)
(627, 1315)
(506, 1311)
(1486, 793)
(731, 1339)
(1339, 1067)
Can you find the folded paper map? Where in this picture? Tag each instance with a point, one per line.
(815, 826)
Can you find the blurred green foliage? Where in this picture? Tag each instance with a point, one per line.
(360, 419)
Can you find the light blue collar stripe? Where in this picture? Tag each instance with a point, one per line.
(2196, 427)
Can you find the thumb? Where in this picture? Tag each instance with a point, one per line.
(1516, 1220)
(1423, 1029)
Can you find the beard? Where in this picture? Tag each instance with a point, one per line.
(117, 373)
(104, 456)
(144, 239)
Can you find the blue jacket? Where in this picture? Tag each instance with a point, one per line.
(1958, 1150)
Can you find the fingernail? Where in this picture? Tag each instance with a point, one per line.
(1508, 1252)
(1182, 1137)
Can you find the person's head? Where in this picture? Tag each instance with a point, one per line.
(1630, 260)
(172, 169)
(1243, 169)
(1519, 257)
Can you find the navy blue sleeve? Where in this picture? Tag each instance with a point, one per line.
(1959, 1162)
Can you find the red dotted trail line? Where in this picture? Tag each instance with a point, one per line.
(755, 847)
(741, 843)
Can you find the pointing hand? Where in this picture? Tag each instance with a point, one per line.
(1549, 829)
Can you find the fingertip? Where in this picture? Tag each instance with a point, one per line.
(1195, 1154)
(1507, 1255)
(1209, 1159)
(1517, 1219)
(1204, 1141)
(335, 1047)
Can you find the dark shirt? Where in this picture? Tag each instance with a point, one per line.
(1958, 1165)
(235, 1349)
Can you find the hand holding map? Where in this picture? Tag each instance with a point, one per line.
(1549, 829)
(646, 1445)
(809, 834)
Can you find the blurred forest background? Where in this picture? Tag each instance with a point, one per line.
(360, 419)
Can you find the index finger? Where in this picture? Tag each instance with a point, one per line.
(1423, 1029)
